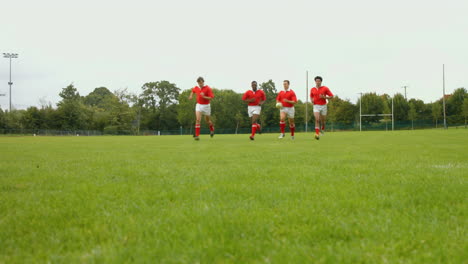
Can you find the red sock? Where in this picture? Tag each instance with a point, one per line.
(317, 130)
(254, 129)
(211, 127)
(323, 127)
(292, 130)
(197, 130)
(258, 126)
(282, 126)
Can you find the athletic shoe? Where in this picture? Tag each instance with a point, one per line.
(252, 138)
(211, 133)
(281, 136)
(317, 136)
(196, 138)
(292, 137)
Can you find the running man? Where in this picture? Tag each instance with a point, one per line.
(255, 98)
(204, 96)
(288, 99)
(319, 95)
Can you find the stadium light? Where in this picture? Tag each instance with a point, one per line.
(10, 83)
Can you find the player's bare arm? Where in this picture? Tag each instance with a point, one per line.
(205, 97)
(289, 101)
(190, 96)
(326, 97)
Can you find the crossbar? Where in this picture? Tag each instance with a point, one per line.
(378, 115)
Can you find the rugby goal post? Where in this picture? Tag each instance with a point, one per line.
(361, 115)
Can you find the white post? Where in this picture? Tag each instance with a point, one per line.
(393, 120)
(443, 97)
(307, 100)
(360, 112)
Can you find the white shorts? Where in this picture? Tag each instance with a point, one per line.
(204, 109)
(288, 110)
(254, 110)
(322, 109)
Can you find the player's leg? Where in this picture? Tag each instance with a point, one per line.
(323, 120)
(250, 112)
(317, 124)
(210, 123)
(258, 111)
(198, 116)
(323, 117)
(254, 119)
(292, 126)
(282, 123)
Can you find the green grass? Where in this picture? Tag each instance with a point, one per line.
(370, 197)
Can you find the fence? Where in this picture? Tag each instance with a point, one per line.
(376, 126)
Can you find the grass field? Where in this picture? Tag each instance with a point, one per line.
(370, 197)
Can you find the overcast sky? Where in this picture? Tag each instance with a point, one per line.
(357, 46)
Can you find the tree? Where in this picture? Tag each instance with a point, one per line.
(299, 115)
(372, 104)
(228, 110)
(455, 105)
(69, 93)
(333, 106)
(341, 112)
(436, 111)
(418, 105)
(412, 114)
(32, 118)
(12, 119)
(465, 108)
(2, 119)
(121, 115)
(99, 98)
(400, 107)
(270, 115)
(157, 97)
(185, 110)
(71, 111)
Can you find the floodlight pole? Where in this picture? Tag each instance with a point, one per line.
(10, 83)
(307, 101)
(443, 97)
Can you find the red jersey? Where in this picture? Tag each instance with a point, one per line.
(206, 91)
(259, 96)
(315, 95)
(289, 95)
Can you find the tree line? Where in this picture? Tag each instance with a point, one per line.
(163, 106)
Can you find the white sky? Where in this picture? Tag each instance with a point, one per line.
(357, 46)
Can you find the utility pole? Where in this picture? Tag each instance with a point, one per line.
(404, 87)
(10, 83)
